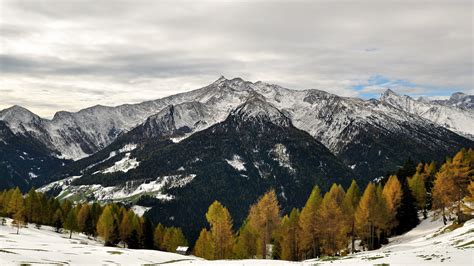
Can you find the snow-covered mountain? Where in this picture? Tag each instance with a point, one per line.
(456, 114)
(323, 115)
(254, 149)
(370, 136)
(458, 99)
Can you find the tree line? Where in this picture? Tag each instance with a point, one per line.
(113, 223)
(327, 225)
(330, 224)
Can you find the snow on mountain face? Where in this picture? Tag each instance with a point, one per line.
(443, 113)
(458, 99)
(258, 110)
(323, 115)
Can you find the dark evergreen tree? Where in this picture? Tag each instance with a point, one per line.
(407, 215)
(147, 235)
(133, 241)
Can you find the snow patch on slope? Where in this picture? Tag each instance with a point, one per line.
(282, 156)
(124, 165)
(237, 163)
(130, 191)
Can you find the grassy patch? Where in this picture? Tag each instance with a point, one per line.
(466, 244)
(172, 261)
(451, 227)
(114, 252)
(6, 251)
(374, 258)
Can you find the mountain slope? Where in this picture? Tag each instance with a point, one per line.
(423, 245)
(443, 113)
(256, 148)
(372, 137)
(24, 161)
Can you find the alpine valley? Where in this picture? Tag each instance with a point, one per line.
(229, 141)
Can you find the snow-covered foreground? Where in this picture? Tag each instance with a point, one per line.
(44, 246)
(424, 245)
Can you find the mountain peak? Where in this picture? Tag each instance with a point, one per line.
(257, 109)
(17, 112)
(388, 93)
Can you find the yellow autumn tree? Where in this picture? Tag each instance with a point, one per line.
(289, 236)
(392, 192)
(351, 201)
(264, 217)
(107, 226)
(221, 230)
(416, 183)
(203, 247)
(309, 237)
(16, 207)
(158, 237)
(371, 216)
(246, 242)
(333, 237)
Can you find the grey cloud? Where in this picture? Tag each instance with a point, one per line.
(329, 45)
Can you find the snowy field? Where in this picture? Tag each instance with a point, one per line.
(424, 245)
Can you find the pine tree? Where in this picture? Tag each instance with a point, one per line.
(126, 228)
(463, 174)
(221, 230)
(365, 214)
(96, 211)
(334, 237)
(383, 219)
(310, 242)
(203, 247)
(84, 220)
(173, 238)
(392, 191)
(351, 201)
(289, 239)
(264, 216)
(246, 243)
(443, 192)
(158, 236)
(470, 197)
(71, 222)
(16, 207)
(31, 207)
(107, 226)
(418, 190)
(58, 220)
(429, 173)
(407, 214)
(146, 237)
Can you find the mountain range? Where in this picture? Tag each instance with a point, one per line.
(231, 141)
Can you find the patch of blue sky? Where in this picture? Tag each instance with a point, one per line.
(400, 86)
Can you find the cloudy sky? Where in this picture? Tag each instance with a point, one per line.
(67, 55)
